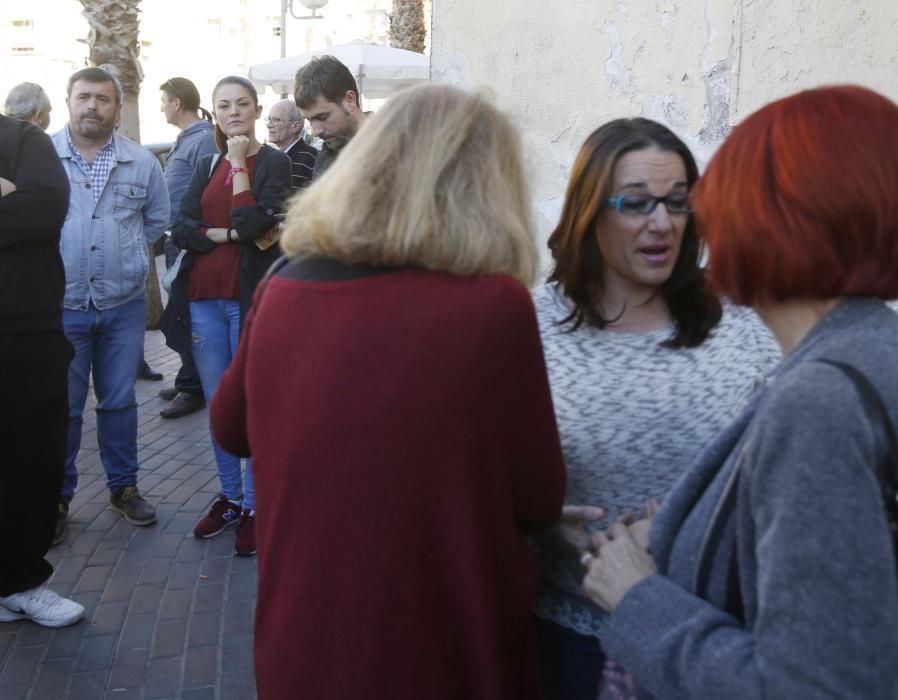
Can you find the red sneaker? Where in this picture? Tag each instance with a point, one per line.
(222, 514)
(245, 545)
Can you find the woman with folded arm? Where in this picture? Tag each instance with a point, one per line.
(770, 569)
(232, 202)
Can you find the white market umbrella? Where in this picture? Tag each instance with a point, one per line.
(380, 71)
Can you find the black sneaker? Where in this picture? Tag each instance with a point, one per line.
(128, 501)
(183, 404)
(62, 516)
(168, 393)
(147, 373)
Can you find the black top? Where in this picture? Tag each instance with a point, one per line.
(32, 281)
(325, 160)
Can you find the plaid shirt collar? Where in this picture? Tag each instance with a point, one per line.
(99, 171)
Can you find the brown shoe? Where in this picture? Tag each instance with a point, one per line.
(128, 501)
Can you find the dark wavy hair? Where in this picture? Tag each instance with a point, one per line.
(579, 266)
(323, 76)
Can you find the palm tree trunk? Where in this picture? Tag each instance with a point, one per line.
(407, 29)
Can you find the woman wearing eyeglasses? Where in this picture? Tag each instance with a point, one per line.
(646, 366)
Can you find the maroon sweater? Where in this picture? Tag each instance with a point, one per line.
(404, 442)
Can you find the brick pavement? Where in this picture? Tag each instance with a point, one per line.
(167, 615)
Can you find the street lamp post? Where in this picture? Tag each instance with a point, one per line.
(287, 6)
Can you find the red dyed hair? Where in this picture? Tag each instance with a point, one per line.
(801, 201)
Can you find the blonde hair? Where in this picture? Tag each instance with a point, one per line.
(433, 180)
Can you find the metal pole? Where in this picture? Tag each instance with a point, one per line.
(283, 28)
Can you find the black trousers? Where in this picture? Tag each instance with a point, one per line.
(188, 377)
(34, 417)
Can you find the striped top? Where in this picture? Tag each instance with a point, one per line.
(302, 158)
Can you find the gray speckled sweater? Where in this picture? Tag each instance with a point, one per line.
(632, 417)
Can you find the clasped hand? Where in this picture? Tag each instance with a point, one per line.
(617, 558)
(622, 560)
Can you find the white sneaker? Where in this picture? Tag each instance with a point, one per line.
(40, 605)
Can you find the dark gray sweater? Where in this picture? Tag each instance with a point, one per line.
(816, 567)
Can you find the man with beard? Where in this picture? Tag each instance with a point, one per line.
(327, 95)
(117, 207)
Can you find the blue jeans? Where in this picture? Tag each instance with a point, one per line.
(215, 330)
(108, 343)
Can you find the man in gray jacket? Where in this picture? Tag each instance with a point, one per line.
(181, 106)
(117, 207)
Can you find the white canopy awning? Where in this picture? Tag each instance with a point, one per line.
(380, 71)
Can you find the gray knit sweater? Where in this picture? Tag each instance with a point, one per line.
(632, 417)
(816, 568)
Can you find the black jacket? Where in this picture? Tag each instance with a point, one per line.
(32, 281)
(271, 187)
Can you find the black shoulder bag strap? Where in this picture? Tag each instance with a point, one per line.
(886, 469)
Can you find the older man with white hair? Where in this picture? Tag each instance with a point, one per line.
(285, 130)
(29, 103)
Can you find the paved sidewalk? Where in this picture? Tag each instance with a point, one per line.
(168, 616)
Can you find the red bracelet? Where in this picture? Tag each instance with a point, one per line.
(232, 172)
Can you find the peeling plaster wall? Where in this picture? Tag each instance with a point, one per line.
(815, 42)
(563, 67)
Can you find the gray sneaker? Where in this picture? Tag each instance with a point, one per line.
(40, 605)
(128, 501)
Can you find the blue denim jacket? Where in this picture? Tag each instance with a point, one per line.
(195, 141)
(104, 244)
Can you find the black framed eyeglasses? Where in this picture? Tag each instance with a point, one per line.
(645, 204)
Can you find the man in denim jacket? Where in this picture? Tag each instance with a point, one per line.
(118, 206)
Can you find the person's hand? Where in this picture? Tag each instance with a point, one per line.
(237, 147)
(6, 187)
(620, 564)
(571, 534)
(640, 531)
